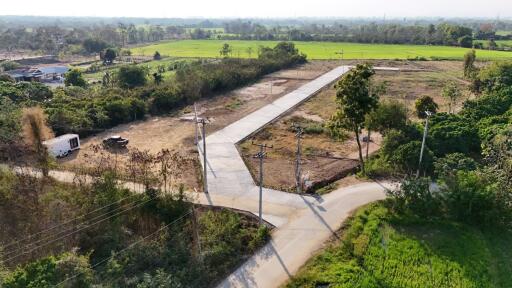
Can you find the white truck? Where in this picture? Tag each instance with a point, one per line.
(63, 145)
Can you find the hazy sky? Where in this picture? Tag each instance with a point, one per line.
(260, 8)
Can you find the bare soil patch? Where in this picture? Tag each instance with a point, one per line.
(169, 132)
(325, 160)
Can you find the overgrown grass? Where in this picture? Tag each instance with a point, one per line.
(315, 50)
(382, 250)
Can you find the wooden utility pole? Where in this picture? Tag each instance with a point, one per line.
(298, 160)
(261, 155)
(202, 121)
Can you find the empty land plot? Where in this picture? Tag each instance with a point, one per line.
(315, 50)
(170, 132)
(324, 159)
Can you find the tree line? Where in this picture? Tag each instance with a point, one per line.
(130, 93)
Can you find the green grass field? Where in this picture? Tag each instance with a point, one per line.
(315, 50)
(378, 250)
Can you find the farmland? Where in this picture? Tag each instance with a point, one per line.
(379, 250)
(315, 50)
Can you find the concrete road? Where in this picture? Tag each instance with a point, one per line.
(303, 223)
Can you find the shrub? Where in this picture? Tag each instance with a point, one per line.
(406, 158)
(452, 163)
(414, 196)
(166, 99)
(451, 133)
(131, 76)
(478, 198)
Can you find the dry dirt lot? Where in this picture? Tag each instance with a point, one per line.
(169, 132)
(415, 80)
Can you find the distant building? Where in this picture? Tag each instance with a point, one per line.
(39, 74)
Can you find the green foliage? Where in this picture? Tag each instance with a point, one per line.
(479, 198)
(74, 77)
(451, 92)
(492, 104)
(166, 99)
(450, 164)
(496, 76)
(424, 104)
(8, 65)
(157, 56)
(10, 119)
(108, 56)
(226, 50)
(354, 102)
(131, 76)
(388, 115)
(94, 45)
(451, 133)
(380, 249)
(466, 41)
(406, 158)
(25, 92)
(50, 271)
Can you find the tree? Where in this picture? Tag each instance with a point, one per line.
(131, 76)
(35, 131)
(108, 56)
(74, 77)
(226, 50)
(157, 56)
(469, 64)
(389, 115)
(491, 44)
(157, 77)
(466, 41)
(354, 101)
(424, 104)
(406, 158)
(450, 164)
(93, 45)
(452, 93)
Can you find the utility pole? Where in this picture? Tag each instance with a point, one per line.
(205, 171)
(195, 120)
(425, 131)
(340, 53)
(261, 155)
(298, 168)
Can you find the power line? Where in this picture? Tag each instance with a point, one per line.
(127, 248)
(78, 224)
(67, 222)
(74, 232)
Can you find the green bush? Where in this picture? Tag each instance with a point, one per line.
(406, 158)
(452, 163)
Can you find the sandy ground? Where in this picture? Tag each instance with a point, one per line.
(169, 132)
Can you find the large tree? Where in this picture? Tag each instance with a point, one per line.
(74, 77)
(354, 102)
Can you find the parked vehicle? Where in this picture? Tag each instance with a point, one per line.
(115, 142)
(63, 145)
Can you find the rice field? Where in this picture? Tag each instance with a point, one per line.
(316, 50)
(379, 251)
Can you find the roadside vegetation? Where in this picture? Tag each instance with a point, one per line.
(453, 234)
(130, 93)
(88, 234)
